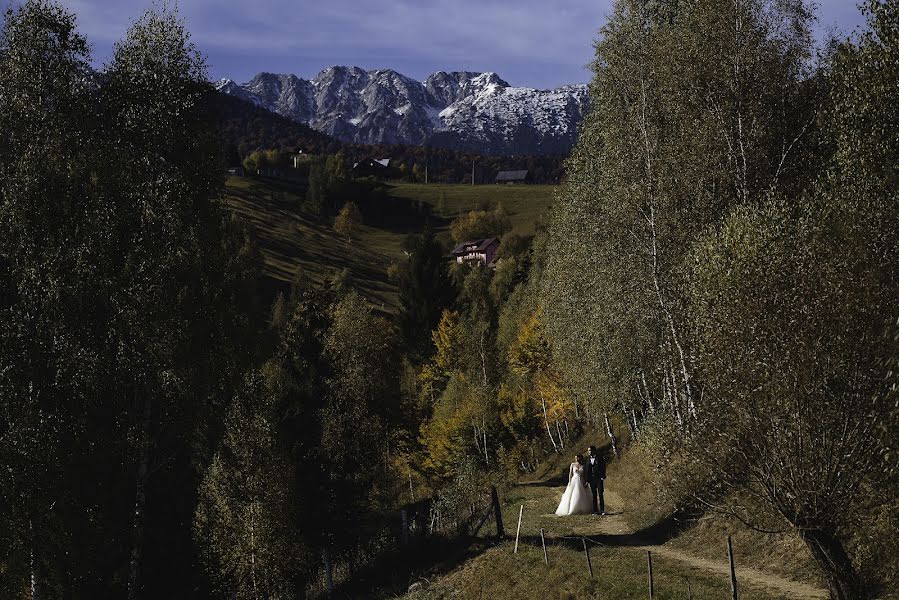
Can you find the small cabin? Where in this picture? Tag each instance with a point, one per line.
(300, 158)
(477, 252)
(372, 167)
(514, 177)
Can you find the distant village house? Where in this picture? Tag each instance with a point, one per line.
(372, 167)
(477, 252)
(514, 177)
(300, 157)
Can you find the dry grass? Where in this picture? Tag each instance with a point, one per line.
(291, 239)
(619, 574)
(782, 554)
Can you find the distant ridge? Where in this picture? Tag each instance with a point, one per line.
(477, 112)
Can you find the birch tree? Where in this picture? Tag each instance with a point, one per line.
(243, 523)
(49, 364)
(788, 308)
(669, 146)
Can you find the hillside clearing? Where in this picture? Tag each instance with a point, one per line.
(291, 238)
(618, 555)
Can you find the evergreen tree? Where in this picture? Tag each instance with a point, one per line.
(425, 290)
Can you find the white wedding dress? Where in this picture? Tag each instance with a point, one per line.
(576, 500)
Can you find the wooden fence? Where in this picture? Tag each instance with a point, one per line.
(410, 524)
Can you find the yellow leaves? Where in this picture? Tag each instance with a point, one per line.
(531, 358)
(448, 342)
(518, 411)
(531, 352)
(479, 224)
(445, 437)
(348, 220)
(549, 388)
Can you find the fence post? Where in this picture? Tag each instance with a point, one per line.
(587, 554)
(543, 541)
(518, 531)
(405, 524)
(494, 497)
(329, 576)
(649, 562)
(733, 572)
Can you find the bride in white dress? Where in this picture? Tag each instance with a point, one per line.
(576, 500)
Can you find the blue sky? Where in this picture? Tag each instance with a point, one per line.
(537, 43)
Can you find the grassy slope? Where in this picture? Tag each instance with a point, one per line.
(525, 203)
(291, 239)
(619, 574)
(620, 562)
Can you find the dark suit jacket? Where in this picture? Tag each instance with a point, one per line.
(593, 473)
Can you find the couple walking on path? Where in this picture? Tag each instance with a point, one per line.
(584, 473)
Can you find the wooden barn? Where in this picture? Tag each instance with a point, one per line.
(514, 177)
(372, 167)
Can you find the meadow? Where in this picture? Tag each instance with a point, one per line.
(291, 238)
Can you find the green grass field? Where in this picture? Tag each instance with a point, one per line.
(291, 239)
(526, 204)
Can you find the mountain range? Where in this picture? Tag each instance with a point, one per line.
(477, 112)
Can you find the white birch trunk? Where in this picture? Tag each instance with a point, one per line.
(611, 435)
(549, 431)
(253, 550)
(140, 505)
(35, 592)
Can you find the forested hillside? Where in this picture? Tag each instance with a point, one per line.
(246, 129)
(724, 267)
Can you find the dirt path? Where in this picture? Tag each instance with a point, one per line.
(793, 589)
(614, 530)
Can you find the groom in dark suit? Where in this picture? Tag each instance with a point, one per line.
(595, 474)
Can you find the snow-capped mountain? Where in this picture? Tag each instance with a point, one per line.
(459, 110)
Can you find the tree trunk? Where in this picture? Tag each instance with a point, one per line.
(140, 505)
(611, 435)
(253, 550)
(652, 406)
(35, 590)
(486, 455)
(483, 359)
(476, 435)
(830, 555)
(549, 431)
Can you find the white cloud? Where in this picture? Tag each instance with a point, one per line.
(547, 42)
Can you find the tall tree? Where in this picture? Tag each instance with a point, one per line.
(51, 266)
(788, 305)
(244, 519)
(669, 147)
(123, 287)
(163, 181)
(425, 290)
(348, 220)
